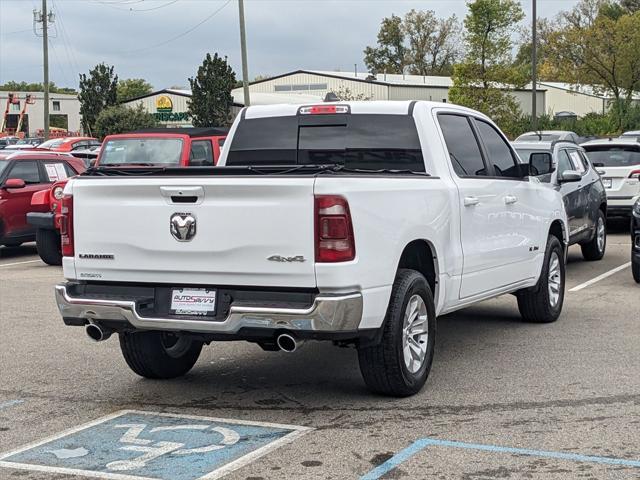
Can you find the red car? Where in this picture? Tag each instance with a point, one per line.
(170, 147)
(21, 175)
(68, 144)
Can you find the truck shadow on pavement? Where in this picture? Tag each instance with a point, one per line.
(24, 250)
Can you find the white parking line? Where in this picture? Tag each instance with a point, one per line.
(18, 263)
(600, 277)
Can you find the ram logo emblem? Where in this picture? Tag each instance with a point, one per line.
(183, 226)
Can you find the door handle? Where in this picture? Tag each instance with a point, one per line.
(510, 199)
(470, 201)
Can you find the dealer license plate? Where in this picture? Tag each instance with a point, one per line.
(606, 182)
(193, 301)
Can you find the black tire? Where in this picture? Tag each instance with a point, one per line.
(635, 269)
(535, 304)
(48, 245)
(382, 365)
(158, 355)
(592, 251)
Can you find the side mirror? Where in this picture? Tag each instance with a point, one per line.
(540, 163)
(14, 183)
(569, 176)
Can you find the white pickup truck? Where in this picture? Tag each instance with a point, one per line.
(356, 222)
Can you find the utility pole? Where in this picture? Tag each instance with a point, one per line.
(534, 68)
(44, 17)
(243, 49)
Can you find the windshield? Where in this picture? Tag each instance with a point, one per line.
(3, 166)
(525, 153)
(614, 156)
(154, 151)
(363, 141)
(51, 143)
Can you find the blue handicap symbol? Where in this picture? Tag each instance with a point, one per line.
(151, 445)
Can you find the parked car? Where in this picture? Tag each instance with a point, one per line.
(635, 241)
(25, 144)
(21, 175)
(69, 144)
(618, 163)
(329, 222)
(7, 141)
(549, 136)
(164, 146)
(564, 165)
(633, 135)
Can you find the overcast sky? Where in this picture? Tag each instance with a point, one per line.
(164, 41)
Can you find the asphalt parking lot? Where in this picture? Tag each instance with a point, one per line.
(505, 399)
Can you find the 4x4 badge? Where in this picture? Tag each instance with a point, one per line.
(182, 226)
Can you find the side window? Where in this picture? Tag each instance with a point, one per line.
(499, 152)
(26, 170)
(201, 154)
(576, 160)
(464, 151)
(564, 162)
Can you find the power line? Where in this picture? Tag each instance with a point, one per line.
(186, 32)
(113, 5)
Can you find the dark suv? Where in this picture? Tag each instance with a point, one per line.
(565, 166)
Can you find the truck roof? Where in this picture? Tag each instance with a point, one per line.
(388, 107)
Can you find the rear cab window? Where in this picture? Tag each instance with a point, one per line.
(201, 154)
(358, 141)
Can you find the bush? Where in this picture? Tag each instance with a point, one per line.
(121, 119)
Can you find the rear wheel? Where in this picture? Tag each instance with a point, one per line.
(400, 363)
(159, 355)
(543, 303)
(594, 250)
(48, 245)
(635, 269)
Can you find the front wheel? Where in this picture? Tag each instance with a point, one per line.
(48, 246)
(543, 303)
(159, 355)
(400, 363)
(594, 249)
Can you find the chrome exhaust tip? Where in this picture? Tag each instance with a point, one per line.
(287, 343)
(96, 333)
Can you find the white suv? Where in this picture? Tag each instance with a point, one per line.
(617, 161)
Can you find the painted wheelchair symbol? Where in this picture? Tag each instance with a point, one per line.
(151, 450)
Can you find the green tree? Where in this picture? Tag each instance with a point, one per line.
(121, 119)
(211, 101)
(12, 86)
(421, 42)
(597, 47)
(486, 74)
(390, 54)
(347, 95)
(97, 91)
(132, 88)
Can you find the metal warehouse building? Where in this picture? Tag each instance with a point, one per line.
(64, 110)
(308, 86)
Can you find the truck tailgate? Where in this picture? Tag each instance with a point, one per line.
(241, 222)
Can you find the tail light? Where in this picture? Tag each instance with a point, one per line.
(334, 230)
(635, 174)
(66, 226)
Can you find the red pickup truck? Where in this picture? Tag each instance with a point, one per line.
(187, 147)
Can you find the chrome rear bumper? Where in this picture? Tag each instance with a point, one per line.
(328, 313)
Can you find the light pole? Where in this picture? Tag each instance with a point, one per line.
(243, 51)
(534, 68)
(44, 17)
